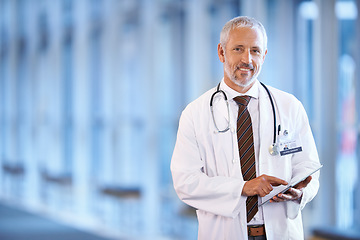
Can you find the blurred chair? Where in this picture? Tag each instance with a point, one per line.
(122, 208)
(13, 178)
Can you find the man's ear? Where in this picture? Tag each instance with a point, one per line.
(221, 53)
(264, 56)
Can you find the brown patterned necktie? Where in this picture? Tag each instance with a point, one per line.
(246, 151)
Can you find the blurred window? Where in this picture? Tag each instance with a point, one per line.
(347, 161)
(96, 93)
(307, 13)
(67, 88)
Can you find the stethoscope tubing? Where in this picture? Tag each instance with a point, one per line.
(273, 109)
(218, 90)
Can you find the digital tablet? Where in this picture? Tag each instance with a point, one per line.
(283, 189)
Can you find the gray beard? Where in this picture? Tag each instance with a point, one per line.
(234, 79)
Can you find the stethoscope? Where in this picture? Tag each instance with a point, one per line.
(274, 147)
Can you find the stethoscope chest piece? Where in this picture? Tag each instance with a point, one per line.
(274, 149)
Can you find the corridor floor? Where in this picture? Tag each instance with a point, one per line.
(17, 224)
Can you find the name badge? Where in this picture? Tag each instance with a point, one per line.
(289, 147)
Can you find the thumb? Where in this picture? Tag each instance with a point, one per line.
(303, 183)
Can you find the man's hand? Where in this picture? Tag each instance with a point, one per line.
(261, 185)
(293, 194)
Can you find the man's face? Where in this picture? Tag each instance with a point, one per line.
(243, 57)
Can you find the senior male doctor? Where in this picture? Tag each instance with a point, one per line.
(225, 175)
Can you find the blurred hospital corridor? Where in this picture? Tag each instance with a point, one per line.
(91, 92)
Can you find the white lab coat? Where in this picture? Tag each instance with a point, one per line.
(207, 175)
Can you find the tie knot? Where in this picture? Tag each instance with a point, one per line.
(242, 100)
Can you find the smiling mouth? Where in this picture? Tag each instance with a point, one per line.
(245, 69)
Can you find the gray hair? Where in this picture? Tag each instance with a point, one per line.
(242, 21)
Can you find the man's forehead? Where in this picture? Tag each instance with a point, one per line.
(246, 36)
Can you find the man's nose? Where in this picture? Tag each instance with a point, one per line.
(246, 57)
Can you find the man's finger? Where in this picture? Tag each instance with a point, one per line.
(286, 197)
(276, 181)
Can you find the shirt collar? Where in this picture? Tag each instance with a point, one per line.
(231, 93)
